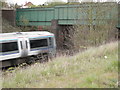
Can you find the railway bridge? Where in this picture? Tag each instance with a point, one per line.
(83, 14)
(59, 19)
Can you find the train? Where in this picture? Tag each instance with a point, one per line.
(18, 45)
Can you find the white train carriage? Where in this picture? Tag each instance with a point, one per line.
(24, 44)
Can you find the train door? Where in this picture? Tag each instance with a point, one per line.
(24, 46)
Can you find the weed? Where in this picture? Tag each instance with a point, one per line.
(88, 69)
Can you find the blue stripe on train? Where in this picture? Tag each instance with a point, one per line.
(30, 37)
(8, 54)
(8, 40)
(42, 37)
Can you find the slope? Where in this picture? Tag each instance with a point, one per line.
(96, 67)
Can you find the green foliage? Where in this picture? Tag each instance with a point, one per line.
(113, 66)
(88, 69)
(24, 20)
(17, 6)
(51, 3)
(3, 4)
(33, 6)
(54, 3)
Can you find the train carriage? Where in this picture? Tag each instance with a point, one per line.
(25, 44)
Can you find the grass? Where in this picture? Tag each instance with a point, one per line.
(96, 67)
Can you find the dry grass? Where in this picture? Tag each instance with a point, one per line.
(97, 67)
(6, 27)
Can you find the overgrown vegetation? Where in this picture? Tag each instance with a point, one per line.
(96, 67)
(6, 27)
(98, 26)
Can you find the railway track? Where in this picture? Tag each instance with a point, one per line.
(26, 61)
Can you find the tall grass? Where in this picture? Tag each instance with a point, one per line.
(96, 67)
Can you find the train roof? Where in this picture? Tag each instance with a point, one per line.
(15, 35)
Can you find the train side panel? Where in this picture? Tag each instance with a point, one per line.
(9, 49)
(15, 46)
(41, 44)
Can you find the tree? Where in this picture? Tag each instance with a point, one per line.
(87, 0)
(3, 4)
(111, 1)
(70, 1)
(54, 2)
(17, 6)
(11, 5)
(99, 24)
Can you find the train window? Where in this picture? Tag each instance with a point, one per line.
(38, 43)
(9, 46)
